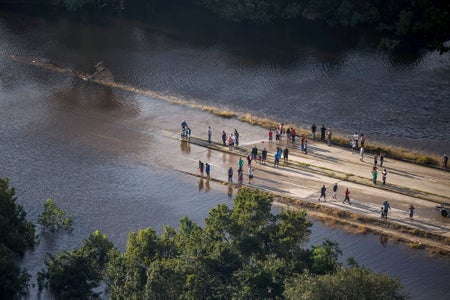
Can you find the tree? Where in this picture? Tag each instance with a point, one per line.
(244, 252)
(352, 283)
(16, 233)
(54, 218)
(16, 236)
(76, 273)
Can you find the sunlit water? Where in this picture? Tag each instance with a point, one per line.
(109, 157)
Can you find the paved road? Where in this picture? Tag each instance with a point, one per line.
(303, 175)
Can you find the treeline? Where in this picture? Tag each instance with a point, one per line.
(420, 22)
(244, 252)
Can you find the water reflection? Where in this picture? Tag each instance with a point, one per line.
(384, 240)
(185, 146)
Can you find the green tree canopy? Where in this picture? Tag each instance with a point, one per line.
(16, 236)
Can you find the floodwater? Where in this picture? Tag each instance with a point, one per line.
(111, 158)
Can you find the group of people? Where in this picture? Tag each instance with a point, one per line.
(185, 131)
(251, 173)
(232, 140)
(323, 194)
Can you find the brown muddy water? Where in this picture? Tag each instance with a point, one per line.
(112, 159)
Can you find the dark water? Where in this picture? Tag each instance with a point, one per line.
(108, 156)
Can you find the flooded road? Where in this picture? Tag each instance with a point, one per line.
(110, 157)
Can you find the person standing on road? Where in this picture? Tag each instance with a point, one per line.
(322, 133)
(322, 193)
(305, 147)
(384, 175)
(374, 175)
(276, 161)
(329, 133)
(293, 135)
(381, 159)
(250, 174)
(356, 138)
(347, 196)
(230, 174)
(224, 138)
(236, 136)
(200, 167)
(335, 188)
(285, 154)
(411, 211)
(270, 136)
(249, 159)
(264, 156)
(386, 208)
(313, 131)
(363, 140)
(240, 178)
(361, 154)
(208, 170)
(255, 152)
(375, 160)
(445, 161)
(240, 164)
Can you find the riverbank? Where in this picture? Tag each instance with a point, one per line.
(296, 184)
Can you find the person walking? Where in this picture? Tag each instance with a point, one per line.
(381, 159)
(384, 175)
(375, 160)
(250, 174)
(335, 188)
(386, 207)
(445, 161)
(270, 136)
(236, 137)
(361, 154)
(230, 174)
(224, 138)
(313, 131)
(305, 147)
(347, 196)
(323, 193)
(208, 170)
(411, 211)
(209, 134)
